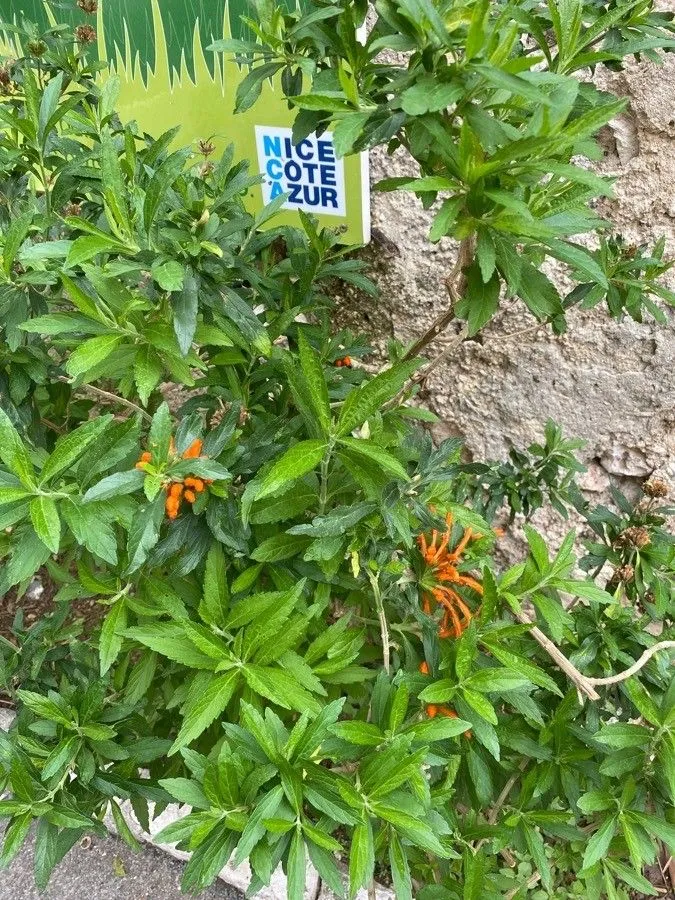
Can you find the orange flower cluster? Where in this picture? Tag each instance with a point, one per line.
(177, 491)
(444, 563)
(345, 361)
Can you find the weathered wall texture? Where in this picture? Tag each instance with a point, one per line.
(609, 383)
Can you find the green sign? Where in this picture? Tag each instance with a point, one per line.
(169, 78)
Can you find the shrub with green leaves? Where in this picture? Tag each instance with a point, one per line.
(303, 631)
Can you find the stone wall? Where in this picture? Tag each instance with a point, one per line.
(611, 383)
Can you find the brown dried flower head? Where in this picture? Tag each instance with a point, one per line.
(37, 48)
(656, 487)
(637, 536)
(88, 6)
(85, 34)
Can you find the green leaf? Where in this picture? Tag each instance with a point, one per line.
(48, 105)
(371, 396)
(523, 667)
(619, 735)
(316, 382)
(535, 844)
(250, 87)
(170, 640)
(250, 326)
(186, 791)
(148, 369)
(439, 729)
(85, 248)
(207, 709)
(599, 842)
(215, 598)
(46, 522)
(70, 447)
(430, 95)
(480, 300)
(185, 308)
(381, 457)
(363, 734)
(46, 852)
(45, 707)
(122, 827)
(144, 532)
(347, 131)
(581, 261)
(400, 870)
(110, 642)
(445, 218)
(497, 679)
(412, 828)
(281, 688)
(629, 876)
(13, 453)
(514, 84)
(92, 352)
(278, 547)
(361, 858)
(265, 809)
(14, 236)
(296, 462)
(15, 834)
(170, 276)
(61, 757)
(116, 485)
(296, 868)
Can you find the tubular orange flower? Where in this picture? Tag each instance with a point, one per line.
(444, 563)
(194, 449)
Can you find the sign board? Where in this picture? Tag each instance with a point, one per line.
(169, 78)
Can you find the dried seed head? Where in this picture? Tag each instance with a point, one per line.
(637, 536)
(88, 6)
(72, 209)
(206, 148)
(625, 573)
(5, 77)
(656, 487)
(37, 48)
(85, 34)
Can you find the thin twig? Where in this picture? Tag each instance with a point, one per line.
(644, 659)
(583, 683)
(112, 398)
(493, 815)
(455, 285)
(560, 659)
(424, 373)
(531, 882)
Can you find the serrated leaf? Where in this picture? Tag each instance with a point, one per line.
(92, 352)
(70, 447)
(207, 709)
(45, 519)
(371, 396)
(598, 844)
(110, 641)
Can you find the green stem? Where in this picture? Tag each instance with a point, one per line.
(323, 491)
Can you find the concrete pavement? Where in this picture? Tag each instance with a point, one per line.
(105, 869)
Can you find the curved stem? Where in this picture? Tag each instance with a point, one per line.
(639, 664)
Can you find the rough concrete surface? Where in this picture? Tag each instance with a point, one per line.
(105, 869)
(611, 383)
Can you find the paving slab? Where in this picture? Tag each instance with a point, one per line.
(105, 869)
